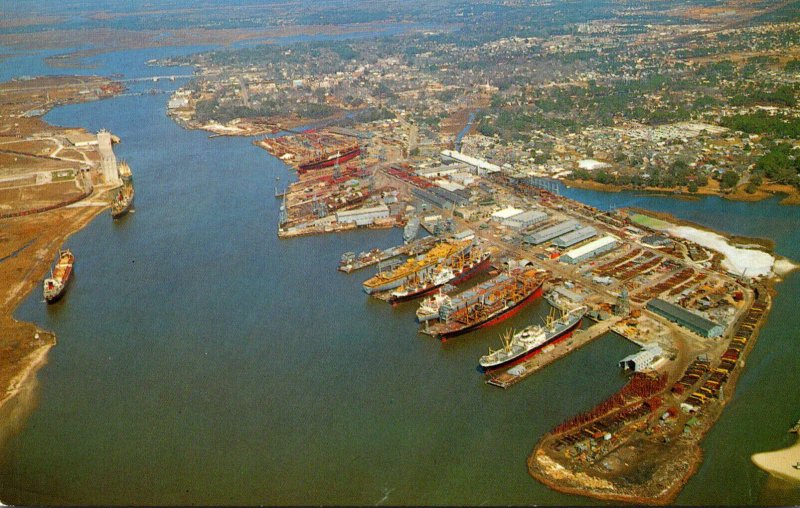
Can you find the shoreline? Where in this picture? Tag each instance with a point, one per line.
(35, 260)
(33, 227)
(693, 456)
(671, 464)
(766, 244)
(791, 196)
(780, 463)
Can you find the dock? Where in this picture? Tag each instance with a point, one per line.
(505, 378)
(410, 249)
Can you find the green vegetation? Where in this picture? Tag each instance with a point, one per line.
(780, 164)
(782, 96)
(792, 66)
(729, 179)
(763, 123)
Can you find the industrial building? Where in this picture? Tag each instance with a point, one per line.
(547, 234)
(443, 198)
(640, 361)
(441, 170)
(466, 234)
(431, 198)
(574, 237)
(525, 219)
(108, 161)
(506, 213)
(656, 240)
(590, 250)
(685, 318)
(481, 166)
(363, 216)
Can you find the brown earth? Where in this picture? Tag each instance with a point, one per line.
(29, 244)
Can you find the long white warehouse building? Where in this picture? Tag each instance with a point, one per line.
(590, 250)
(472, 161)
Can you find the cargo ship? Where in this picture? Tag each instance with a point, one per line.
(457, 271)
(531, 339)
(417, 268)
(55, 285)
(488, 303)
(329, 159)
(123, 199)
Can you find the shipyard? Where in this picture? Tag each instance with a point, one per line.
(542, 246)
(681, 294)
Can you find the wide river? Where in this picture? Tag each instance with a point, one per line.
(201, 360)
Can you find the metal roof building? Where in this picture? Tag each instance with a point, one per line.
(552, 232)
(525, 219)
(431, 198)
(363, 216)
(574, 237)
(506, 213)
(641, 360)
(442, 198)
(685, 318)
(481, 165)
(590, 250)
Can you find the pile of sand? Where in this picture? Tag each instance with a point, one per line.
(750, 262)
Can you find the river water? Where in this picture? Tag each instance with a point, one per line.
(202, 360)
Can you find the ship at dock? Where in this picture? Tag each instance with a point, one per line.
(429, 308)
(410, 230)
(488, 303)
(527, 342)
(55, 285)
(456, 271)
(418, 268)
(123, 198)
(327, 159)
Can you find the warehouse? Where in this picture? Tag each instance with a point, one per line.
(431, 198)
(552, 232)
(506, 213)
(363, 216)
(440, 171)
(574, 237)
(685, 318)
(482, 166)
(442, 198)
(525, 219)
(590, 250)
(640, 361)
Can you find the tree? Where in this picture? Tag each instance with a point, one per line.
(730, 179)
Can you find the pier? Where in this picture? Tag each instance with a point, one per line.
(505, 378)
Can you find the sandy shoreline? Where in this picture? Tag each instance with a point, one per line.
(780, 463)
(37, 360)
